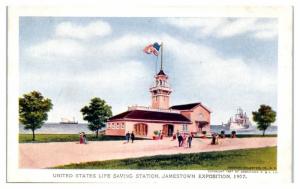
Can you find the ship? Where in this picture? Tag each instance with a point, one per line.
(68, 121)
(239, 121)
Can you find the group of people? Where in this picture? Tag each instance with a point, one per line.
(183, 138)
(82, 138)
(129, 136)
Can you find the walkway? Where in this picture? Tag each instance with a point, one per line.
(43, 155)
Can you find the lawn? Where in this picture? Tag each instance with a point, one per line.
(251, 135)
(244, 159)
(27, 138)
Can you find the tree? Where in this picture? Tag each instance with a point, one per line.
(33, 110)
(264, 117)
(97, 114)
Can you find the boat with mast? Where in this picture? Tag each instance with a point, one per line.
(239, 121)
(65, 120)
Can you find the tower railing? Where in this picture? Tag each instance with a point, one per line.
(136, 107)
(160, 87)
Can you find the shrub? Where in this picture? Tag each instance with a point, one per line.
(223, 134)
(233, 134)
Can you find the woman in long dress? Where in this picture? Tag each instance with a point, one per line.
(80, 138)
(84, 138)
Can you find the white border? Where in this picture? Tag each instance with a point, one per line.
(284, 15)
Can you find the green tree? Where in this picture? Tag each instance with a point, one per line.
(33, 110)
(97, 114)
(264, 117)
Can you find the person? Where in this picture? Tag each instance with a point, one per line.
(132, 137)
(127, 137)
(183, 139)
(84, 138)
(217, 138)
(190, 138)
(159, 134)
(174, 137)
(214, 139)
(177, 134)
(80, 138)
(179, 140)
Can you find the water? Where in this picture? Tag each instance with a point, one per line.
(252, 131)
(56, 128)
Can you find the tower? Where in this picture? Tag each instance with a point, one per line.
(161, 91)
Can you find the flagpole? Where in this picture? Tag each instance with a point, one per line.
(156, 65)
(161, 56)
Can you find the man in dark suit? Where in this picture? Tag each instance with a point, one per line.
(127, 136)
(180, 140)
(132, 137)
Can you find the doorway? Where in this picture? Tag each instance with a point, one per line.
(168, 130)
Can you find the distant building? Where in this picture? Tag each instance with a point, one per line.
(143, 121)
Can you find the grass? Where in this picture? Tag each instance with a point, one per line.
(245, 136)
(251, 135)
(27, 138)
(244, 159)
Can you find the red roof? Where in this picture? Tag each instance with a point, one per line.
(150, 115)
(188, 106)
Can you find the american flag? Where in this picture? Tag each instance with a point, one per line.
(152, 49)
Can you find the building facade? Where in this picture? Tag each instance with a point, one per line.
(144, 121)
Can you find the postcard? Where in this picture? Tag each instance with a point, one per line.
(160, 94)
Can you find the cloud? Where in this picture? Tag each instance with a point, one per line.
(227, 27)
(56, 47)
(194, 59)
(120, 46)
(199, 61)
(118, 85)
(115, 69)
(93, 29)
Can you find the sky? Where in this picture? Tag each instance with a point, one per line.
(224, 63)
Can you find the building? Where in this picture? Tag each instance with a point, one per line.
(143, 121)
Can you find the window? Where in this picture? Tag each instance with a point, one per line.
(117, 127)
(184, 127)
(201, 116)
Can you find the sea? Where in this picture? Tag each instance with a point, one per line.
(57, 128)
(272, 130)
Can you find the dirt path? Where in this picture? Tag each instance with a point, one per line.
(43, 155)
